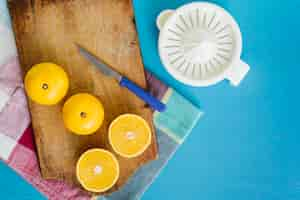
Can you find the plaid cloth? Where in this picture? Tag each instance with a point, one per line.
(17, 147)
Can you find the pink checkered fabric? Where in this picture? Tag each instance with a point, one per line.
(16, 141)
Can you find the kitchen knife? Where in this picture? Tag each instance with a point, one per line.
(123, 81)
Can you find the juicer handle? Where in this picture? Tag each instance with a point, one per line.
(163, 18)
(237, 72)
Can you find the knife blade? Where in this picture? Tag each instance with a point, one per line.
(123, 81)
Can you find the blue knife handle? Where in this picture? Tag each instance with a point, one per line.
(145, 96)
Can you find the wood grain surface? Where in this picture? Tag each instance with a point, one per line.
(46, 30)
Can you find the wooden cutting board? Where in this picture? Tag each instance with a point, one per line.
(46, 30)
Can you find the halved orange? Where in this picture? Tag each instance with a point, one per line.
(129, 135)
(97, 170)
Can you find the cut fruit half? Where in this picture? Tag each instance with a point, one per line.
(97, 170)
(129, 135)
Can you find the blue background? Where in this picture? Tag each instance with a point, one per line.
(247, 145)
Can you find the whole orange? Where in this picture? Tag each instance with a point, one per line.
(46, 83)
(83, 114)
